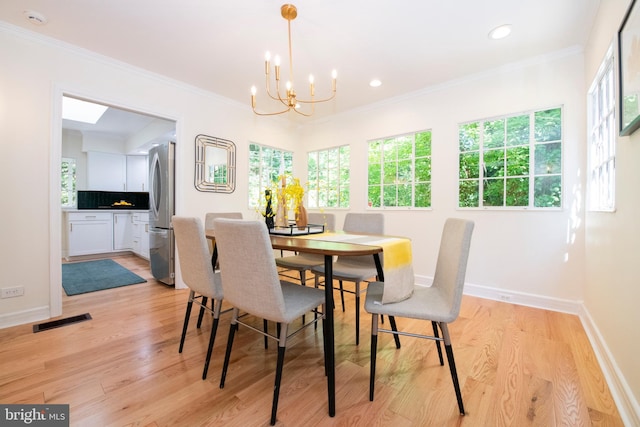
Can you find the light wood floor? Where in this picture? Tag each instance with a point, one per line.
(517, 366)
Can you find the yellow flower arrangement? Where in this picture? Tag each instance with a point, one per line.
(294, 193)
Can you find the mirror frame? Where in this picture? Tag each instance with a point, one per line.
(204, 141)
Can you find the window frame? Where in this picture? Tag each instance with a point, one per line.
(412, 181)
(601, 139)
(342, 175)
(482, 177)
(256, 201)
(71, 183)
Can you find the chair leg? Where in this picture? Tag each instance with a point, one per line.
(212, 339)
(214, 328)
(452, 365)
(374, 345)
(265, 327)
(437, 335)
(303, 282)
(186, 320)
(282, 343)
(205, 300)
(227, 355)
(357, 313)
(276, 387)
(315, 313)
(396, 337)
(341, 294)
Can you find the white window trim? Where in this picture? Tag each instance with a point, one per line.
(532, 144)
(338, 168)
(601, 195)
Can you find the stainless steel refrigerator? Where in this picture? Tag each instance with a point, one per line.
(161, 210)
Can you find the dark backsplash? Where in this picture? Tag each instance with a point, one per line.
(106, 199)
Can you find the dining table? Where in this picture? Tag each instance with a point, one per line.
(329, 248)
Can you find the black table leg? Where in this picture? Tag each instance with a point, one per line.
(376, 259)
(330, 351)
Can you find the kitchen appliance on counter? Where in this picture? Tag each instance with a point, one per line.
(161, 210)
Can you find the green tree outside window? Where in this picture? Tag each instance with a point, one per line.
(513, 161)
(399, 171)
(266, 164)
(328, 178)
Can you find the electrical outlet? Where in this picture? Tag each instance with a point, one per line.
(16, 291)
(505, 297)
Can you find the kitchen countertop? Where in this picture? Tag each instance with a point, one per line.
(113, 210)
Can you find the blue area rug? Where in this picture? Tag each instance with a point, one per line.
(91, 276)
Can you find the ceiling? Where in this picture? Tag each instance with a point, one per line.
(410, 45)
(123, 125)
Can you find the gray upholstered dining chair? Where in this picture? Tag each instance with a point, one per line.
(258, 290)
(210, 216)
(439, 303)
(198, 275)
(355, 269)
(304, 262)
(208, 225)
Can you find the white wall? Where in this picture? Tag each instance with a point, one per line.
(528, 256)
(611, 291)
(34, 73)
(535, 252)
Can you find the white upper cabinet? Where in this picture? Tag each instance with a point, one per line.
(106, 171)
(137, 173)
(116, 172)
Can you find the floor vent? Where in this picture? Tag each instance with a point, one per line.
(60, 322)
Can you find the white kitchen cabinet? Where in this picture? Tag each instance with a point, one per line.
(141, 234)
(137, 173)
(106, 171)
(122, 231)
(89, 233)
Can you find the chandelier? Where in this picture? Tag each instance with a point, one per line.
(289, 99)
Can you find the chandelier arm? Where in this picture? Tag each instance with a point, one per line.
(303, 114)
(316, 101)
(271, 114)
(268, 87)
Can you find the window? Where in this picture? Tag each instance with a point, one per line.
(512, 161)
(328, 178)
(68, 183)
(602, 139)
(400, 171)
(266, 164)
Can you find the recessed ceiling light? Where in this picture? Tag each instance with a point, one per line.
(500, 32)
(34, 17)
(375, 83)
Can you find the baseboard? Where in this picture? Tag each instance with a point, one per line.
(627, 405)
(27, 316)
(519, 298)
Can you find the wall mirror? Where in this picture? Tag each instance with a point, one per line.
(215, 164)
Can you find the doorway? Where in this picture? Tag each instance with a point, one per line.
(117, 131)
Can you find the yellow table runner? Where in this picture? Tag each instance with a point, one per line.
(397, 261)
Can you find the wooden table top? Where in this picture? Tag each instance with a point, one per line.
(314, 244)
